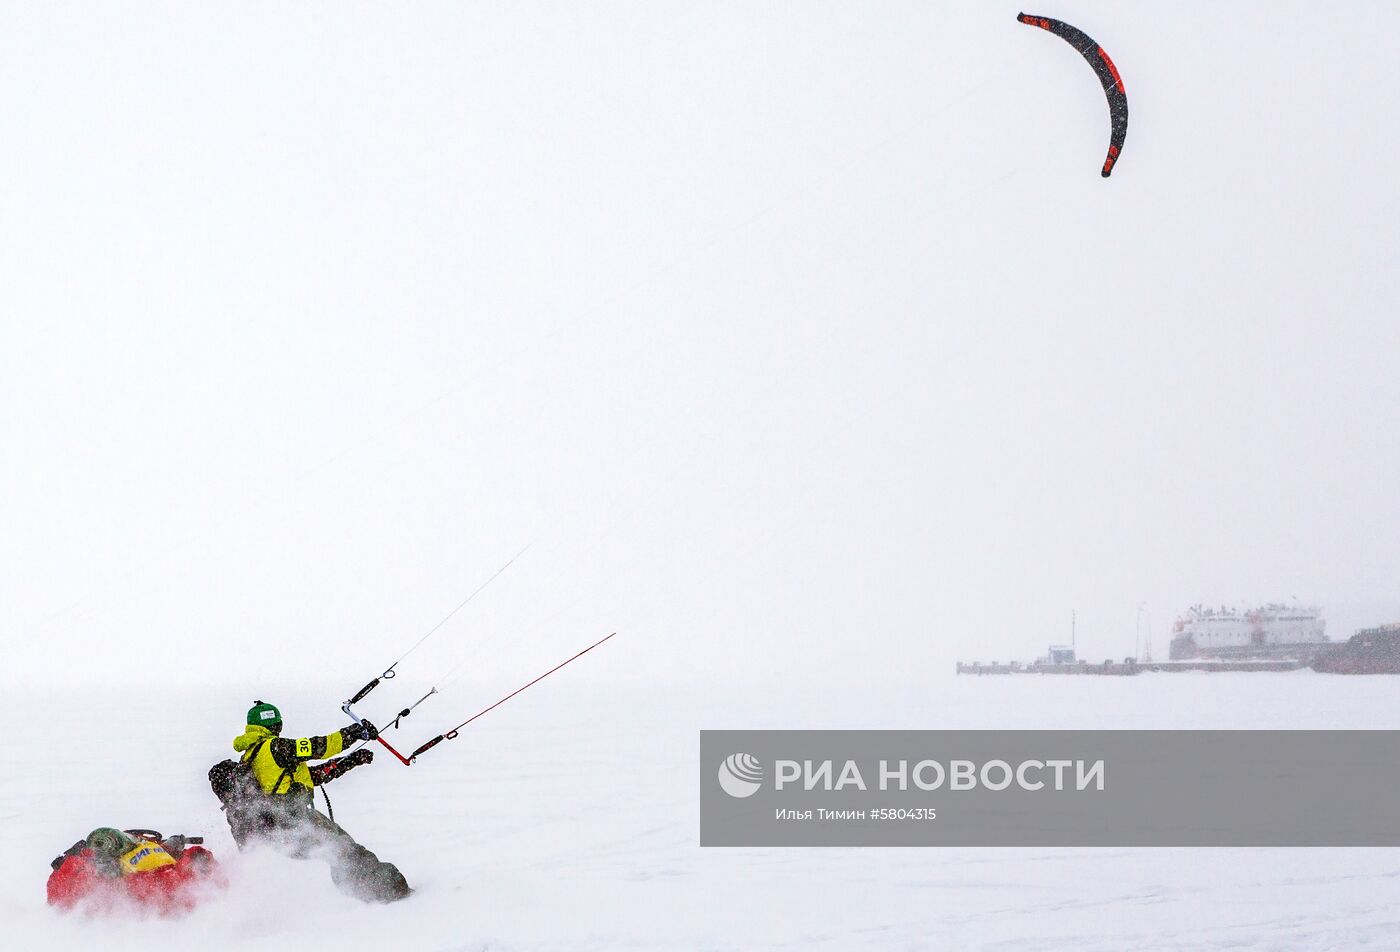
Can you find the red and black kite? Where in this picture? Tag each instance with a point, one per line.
(1108, 75)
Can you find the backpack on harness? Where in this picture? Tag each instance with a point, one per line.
(241, 798)
(233, 780)
(227, 779)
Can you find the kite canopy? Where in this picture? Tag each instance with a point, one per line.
(1095, 56)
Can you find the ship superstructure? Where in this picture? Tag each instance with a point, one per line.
(1270, 631)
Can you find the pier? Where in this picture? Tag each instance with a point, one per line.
(1131, 666)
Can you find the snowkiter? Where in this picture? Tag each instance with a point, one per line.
(268, 797)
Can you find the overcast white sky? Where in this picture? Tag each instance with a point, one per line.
(796, 337)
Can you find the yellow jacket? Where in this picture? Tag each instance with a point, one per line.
(279, 763)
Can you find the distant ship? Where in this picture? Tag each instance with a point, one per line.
(1369, 651)
(1270, 631)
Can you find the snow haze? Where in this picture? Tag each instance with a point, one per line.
(775, 326)
(800, 344)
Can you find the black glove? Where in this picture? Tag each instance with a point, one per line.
(364, 730)
(328, 771)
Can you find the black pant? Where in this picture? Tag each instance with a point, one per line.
(290, 824)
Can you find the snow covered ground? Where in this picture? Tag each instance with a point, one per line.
(568, 820)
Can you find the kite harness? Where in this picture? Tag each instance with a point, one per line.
(408, 760)
(390, 673)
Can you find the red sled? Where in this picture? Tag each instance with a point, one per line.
(81, 879)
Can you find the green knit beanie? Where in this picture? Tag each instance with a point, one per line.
(265, 715)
